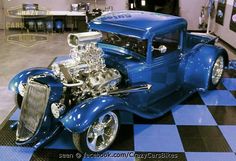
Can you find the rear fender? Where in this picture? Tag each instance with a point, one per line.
(197, 65)
(83, 115)
(23, 76)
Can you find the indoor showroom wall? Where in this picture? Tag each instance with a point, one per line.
(223, 31)
(63, 5)
(1, 15)
(187, 9)
(190, 10)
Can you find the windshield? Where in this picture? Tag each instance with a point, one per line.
(134, 44)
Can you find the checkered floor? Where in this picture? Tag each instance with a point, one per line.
(202, 128)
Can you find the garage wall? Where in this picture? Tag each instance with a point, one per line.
(121, 5)
(50, 4)
(190, 10)
(187, 9)
(117, 5)
(63, 5)
(1, 15)
(224, 31)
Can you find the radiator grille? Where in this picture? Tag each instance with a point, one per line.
(32, 110)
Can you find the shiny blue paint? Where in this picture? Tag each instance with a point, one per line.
(85, 113)
(196, 65)
(23, 76)
(140, 24)
(193, 39)
(174, 76)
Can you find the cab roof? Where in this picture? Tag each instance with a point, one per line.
(140, 24)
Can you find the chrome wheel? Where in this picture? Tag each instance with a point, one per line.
(217, 70)
(102, 133)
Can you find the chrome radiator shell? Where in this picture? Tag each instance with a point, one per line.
(33, 109)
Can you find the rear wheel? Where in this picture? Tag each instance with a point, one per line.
(99, 136)
(217, 72)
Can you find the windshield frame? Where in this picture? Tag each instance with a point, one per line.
(131, 40)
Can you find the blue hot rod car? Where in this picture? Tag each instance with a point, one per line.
(141, 62)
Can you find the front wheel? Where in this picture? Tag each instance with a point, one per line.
(217, 72)
(99, 136)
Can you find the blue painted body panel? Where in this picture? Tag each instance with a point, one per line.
(173, 76)
(23, 76)
(197, 64)
(138, 24)
(85, 113)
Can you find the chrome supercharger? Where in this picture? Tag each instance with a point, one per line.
(83, 75)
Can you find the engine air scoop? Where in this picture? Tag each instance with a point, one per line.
(74, 40)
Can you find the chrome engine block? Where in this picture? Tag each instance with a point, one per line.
(86, 71)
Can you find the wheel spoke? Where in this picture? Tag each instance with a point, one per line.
(93, 144)
(103, 132)
(103, 140)
(217, 70)
(90, 135)
(100, 120)
(108, 135)
(109, 123)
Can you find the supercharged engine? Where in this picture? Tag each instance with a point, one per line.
(85, 72)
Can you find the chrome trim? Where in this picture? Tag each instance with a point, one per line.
(217, 70)
(74, 84)
(32, 110)
(143, 87)
(103, 132)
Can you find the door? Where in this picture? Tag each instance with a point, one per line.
(165, 63)
(162, 72)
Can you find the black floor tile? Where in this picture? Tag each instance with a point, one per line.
(56, 155)
(224, 115)
(203, 139)
(229, 73)
(8, 136)
(151, 156)
(221, 86)
(165, 119)
(124, 139)
(194, 99)
(233, 93)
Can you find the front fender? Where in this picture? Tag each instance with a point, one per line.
(197, 65)
(84, 114)
(23, 76)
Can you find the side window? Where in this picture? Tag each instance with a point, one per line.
(166, 43)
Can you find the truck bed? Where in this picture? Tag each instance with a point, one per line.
(194, 38)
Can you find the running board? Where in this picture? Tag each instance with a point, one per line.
(165, 104)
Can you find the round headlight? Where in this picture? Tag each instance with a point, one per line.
(57, 109)
(21, 89)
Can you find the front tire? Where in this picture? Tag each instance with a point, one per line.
(216, 72)
(99, 136)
